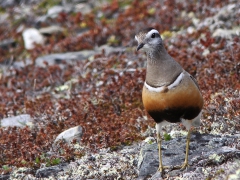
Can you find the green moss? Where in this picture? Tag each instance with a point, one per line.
(24, 162)
(152, 11)
(127, 143)
(167, 34)
(110, 21)
(48, 3)
(53, 162)
(2, 10)
(114, 148)
(37, 160)
(216, 158)
(19, 21)
(5, 167)
(113, 40)
(125, 3)
(220, 171)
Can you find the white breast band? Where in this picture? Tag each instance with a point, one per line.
(162, 88)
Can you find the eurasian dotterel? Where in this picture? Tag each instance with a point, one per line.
(170, 94)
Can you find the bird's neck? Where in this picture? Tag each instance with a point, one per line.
(162, 69)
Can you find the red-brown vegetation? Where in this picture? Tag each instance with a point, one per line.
(106, 99)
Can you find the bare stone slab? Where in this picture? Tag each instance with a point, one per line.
(18, 121)
(205, 150)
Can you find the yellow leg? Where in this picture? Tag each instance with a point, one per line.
(185, 164)
(159, 140)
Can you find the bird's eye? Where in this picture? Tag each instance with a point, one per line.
(153, 35)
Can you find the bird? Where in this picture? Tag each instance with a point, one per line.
(170, 94)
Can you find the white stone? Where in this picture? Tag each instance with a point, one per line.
(70, 134)
(54, 11)
(191, 30)
(32, 36)
(206, 52)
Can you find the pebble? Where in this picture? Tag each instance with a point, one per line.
(70, 134)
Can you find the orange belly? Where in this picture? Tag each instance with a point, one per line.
(184, 101)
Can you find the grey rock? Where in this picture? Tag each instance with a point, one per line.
(10, 3)
(193, 176)
(223, 19)
(226, 33)
(235, 175)
(21, 173)
(11, 63)
(50, 171)
(205, 149)
(226, 12)
(40, 20)
(51, 30)
(199, 170)
(7, 3)
(148, 160)
(52, 59)
(70, 134)
(22, 64)
(109, 49)
(84, 8)
(55, 10)
(18, 121)
(74, 1)
(4, 176)
(69, 57)
(95, 3)
(3, 18)
(157, 176)
(7, 43)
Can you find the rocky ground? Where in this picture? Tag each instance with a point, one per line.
(71, 80)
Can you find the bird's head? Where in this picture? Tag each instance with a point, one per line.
(148, 39)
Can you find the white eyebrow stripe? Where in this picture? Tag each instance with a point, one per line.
(149, 34)
(162, 88)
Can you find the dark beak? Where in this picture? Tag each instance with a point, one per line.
(140, 46)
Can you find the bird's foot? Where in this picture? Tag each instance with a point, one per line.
(161, 168)
(182, 167)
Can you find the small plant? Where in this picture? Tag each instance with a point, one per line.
(24, 162)
(37, 160)
(53, 162)
(50, 161)
(167, 137)
(5, 167)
